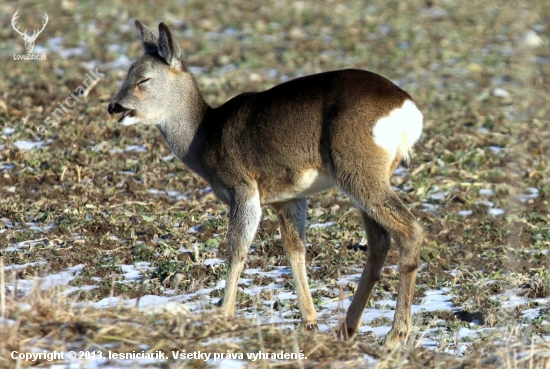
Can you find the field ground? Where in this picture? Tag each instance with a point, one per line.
(110, 244)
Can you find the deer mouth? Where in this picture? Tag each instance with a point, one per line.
(128, 113)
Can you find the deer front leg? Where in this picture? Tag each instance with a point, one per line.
(244, 216)
(292, 217)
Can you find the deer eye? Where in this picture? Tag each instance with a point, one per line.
(143, 81)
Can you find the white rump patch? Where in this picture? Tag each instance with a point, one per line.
(398, 132)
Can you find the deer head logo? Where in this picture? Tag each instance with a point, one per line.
(29, 40)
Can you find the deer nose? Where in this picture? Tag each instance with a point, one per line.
(114, 108)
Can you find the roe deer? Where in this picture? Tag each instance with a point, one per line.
(346, 128)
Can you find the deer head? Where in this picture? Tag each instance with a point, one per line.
(29, 40)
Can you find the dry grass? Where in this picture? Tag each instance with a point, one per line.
(47, 321)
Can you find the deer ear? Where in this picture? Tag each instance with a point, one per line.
(149, 40)
(169, 49)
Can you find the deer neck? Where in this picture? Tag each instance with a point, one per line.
(183, 128)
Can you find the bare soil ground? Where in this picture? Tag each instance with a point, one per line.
(100, 226)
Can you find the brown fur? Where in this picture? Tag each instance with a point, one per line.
(276, 147)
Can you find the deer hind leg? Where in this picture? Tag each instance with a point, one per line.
(244, 216)
(378, 246)
(376, 197)
(292, 217)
